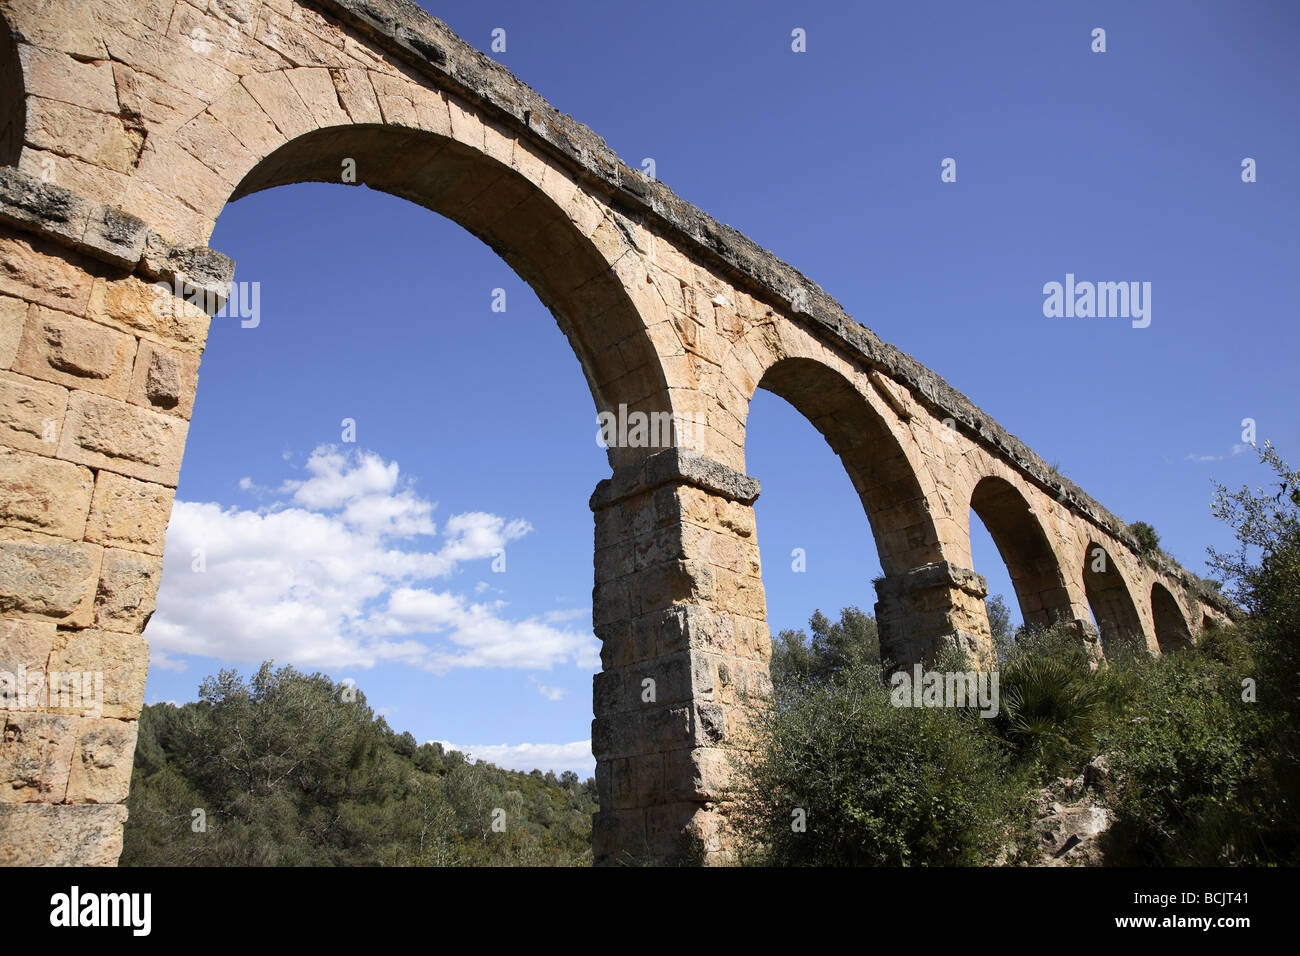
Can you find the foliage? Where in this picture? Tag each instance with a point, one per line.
(999, 621)
(849, 645)
(842, 777)
(1192, 761)
(1050, 702)
(1210, 750)
(1147, 539)
(289, 769)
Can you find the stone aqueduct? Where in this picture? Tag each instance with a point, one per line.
(127, 125)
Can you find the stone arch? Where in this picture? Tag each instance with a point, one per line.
(13, 101)
(1172, 632)
(875, 460)
(1031, 563)
(1112, 605)
(517, 219)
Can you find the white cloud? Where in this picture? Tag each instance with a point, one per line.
(550, 693)
(558, 757)
(1234, 452)
(317, 581)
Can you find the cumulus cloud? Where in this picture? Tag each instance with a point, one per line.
(328, 577)
(558, 757)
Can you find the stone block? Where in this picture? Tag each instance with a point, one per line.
(58, 76)
(59, 348)
(44, 579)
(36, 756)
(122, 438)
(99, 138)
(130, 514)
(121, 659)
(31, 413)
(13, 316)
(38, 272)
(150, 311)
(165, 380)
(102, 761)
(43, 834)
(26, 645)
(128, 590)
(44, 494)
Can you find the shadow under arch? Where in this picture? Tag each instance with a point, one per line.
(13, 102)
(880, 471)
(1112, 606)
(518, 221)
(1031, 563)
(1172, 632)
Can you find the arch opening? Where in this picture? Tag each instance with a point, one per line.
(881, 473)
(1112, 607)
(1172, 632)
(809, 564)
(518, 221)
(362, 504)
(1035, 573)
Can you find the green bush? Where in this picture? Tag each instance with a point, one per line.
(874, 784)
(1191, 761)
(1050, 703)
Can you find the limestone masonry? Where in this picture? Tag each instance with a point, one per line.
(125, 128)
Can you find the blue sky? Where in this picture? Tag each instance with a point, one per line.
(474, 431)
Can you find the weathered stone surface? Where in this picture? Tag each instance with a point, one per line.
(100, 138)
(122, 659)
(41, 578)
(101, 764)
(121, 438)
(60, 77)
(54, 210)
(165, 380)
(128, 587)
(43, 834)
(23, 644)
(44, 494)
(13, 314)
(36, 756)
(28, 200)
(68, 351)
(150, 311)
(131, 514)
(42, 275)
(31, 413)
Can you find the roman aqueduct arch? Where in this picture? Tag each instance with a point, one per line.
(127, 125)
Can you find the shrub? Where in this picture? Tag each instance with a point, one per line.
(1147, 539)
(876, 785)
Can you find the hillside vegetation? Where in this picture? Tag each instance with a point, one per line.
(290, 769)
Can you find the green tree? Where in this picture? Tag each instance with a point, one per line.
(1147, 539)
(835, 649)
